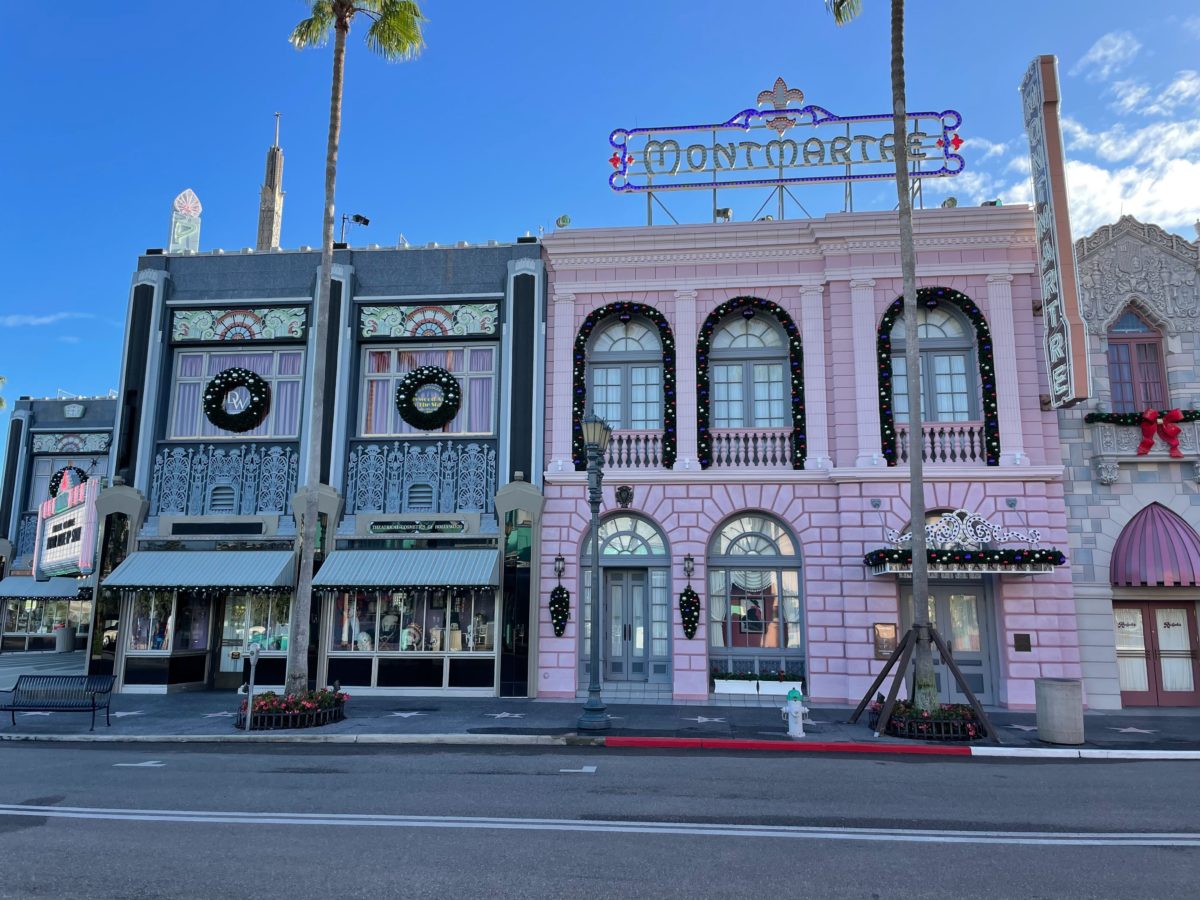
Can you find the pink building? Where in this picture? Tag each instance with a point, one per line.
(747, 369)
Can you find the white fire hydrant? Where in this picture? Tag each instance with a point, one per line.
(793, 713)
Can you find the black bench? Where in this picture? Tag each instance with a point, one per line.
(59, 693)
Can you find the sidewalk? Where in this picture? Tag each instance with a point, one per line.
(208, 717)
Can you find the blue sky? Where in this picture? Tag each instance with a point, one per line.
(502, 124)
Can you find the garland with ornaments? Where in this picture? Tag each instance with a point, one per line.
(1029, 557)
(560, 609)
(624, 311)
(57, 477)
(257, 406)
(748, 307)
(689, 611)
(437, 417)
(930, 298)
(1163, 424)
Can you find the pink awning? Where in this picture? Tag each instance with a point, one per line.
(1157, 547)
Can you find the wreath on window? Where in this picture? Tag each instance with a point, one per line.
(218, 389)
(57, 477)
(430, 410)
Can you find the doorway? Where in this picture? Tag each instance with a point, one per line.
(961, 615)
(1157, 654)
(626, 650)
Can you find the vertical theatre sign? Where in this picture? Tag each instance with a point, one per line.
(66, 531)
(1065, 338)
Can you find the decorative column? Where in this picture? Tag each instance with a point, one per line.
(563, 384)
(866, 376)
(1004, 352)
(685, 379)
(816, 407)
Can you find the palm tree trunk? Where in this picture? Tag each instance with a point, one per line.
(924, 681)
(297, 663)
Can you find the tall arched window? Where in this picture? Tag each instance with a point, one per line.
(755, 613)
(626, 375)
(1136, 378)
(949, 389)
(749, 369)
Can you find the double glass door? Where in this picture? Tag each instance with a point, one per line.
(626, 651)
(1157, 654)
(960, 617)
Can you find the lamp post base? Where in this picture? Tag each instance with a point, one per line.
(595, 715)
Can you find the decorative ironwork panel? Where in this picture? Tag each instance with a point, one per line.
(26, 535)
(260, 324)
(430, 320)
(68, 442)
(251, 479)
(424, 476)
(1121, 440)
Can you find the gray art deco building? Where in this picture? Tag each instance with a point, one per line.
(432, 424)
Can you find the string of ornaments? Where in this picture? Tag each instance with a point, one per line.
(748, 306)
(408, 405)
(930, 298)
(1037, 557)
(623, 311)
(689, 611)
(257, 406)
(560, 609)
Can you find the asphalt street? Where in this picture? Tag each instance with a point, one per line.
(299, 821)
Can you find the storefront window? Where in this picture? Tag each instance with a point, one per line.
(473, 367)
(191, 622)
(430, 620)
(150, 621)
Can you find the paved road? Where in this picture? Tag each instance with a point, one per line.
(305, 821)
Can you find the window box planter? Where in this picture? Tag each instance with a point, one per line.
(761, 687)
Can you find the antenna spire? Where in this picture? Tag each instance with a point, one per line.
(276, 144)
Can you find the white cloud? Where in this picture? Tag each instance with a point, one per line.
(1164, 195)
(1129, 94)
(21, 320)
(1192, 25)
(1111, 53)
(981, 148)
(1183, 91)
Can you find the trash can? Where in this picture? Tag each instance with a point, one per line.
(64, 639)
(1059, 710)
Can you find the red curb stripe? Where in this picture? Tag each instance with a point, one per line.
(667, 743)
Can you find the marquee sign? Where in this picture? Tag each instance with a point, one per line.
(66, 531)
(1065, 341)
(784, 144)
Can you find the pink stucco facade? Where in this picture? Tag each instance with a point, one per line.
(834, 277)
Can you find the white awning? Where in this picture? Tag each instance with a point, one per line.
(26, 587)
(409, 568)
(205, 569)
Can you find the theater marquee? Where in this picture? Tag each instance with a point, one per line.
(66, 532)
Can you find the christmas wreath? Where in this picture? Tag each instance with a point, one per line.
(218, 389)
(560, 609)
(57, 477)
(689, 611)
(431, 417)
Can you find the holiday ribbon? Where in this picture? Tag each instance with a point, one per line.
(1165, 426)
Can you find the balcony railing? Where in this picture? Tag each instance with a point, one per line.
(946, 443)
(634, 450)
(212, 479)
(764, 448)
(421, 476)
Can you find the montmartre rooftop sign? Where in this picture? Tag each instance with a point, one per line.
(779, 144)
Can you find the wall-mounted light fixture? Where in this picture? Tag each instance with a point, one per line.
(560, 565)
(689, 565)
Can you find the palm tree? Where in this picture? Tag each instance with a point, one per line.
(925, 695)
(3, 381)
(395, 34)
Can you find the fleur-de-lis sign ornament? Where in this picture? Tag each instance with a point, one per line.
(779, 96)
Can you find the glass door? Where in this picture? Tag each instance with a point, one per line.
(960, 616)
(1157, 654)
(626, 637)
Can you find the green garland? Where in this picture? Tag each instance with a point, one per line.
(689, 611)
(406, 398)
(560, 609)
(1135, 419)
(256, 410)
(1039, 557)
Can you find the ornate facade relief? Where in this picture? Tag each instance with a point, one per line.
(265, 324)
(69, 442)
(430, 320)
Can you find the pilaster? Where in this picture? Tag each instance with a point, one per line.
(816, 396)
(866, 374)
(685, 380)
(560, 403)
(1004, 350)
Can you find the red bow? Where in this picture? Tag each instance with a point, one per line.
(1164, 425)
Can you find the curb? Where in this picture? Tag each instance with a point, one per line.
(792, 746)
(478, 740)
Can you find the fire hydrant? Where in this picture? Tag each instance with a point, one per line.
(793, 713)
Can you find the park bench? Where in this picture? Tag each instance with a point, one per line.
(59, 693)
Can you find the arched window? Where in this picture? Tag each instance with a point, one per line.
(1136, 378)
(749, 368)
(949, 391)
(626, 375)
(755, 613)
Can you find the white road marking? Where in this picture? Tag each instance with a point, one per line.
(795, 832)
(149, 764)
(702, 720)
(586, 770)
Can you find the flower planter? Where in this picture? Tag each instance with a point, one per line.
(762, 687)
(309, 718)
(919, 728)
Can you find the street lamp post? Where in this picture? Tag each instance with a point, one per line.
(595, 437)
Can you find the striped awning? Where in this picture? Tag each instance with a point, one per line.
(205, 569)
(26, 587)
(409, 568)
(1157, 547)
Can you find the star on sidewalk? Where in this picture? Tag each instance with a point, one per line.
(1132, 730)
(121, 715)
(506, 715)
(219, 715)
(1024, 727)
(701, 720)
(405, 715)
(37, 714)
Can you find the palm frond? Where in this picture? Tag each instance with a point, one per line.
(314, 31)
(395, 32)
(844, 11)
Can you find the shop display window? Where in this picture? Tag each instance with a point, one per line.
(191, 622)
(431, 620)
(150, 621)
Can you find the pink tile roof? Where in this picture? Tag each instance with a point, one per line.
(1157, 547)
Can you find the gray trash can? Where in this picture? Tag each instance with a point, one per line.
(64, 639)
(1059, 710)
